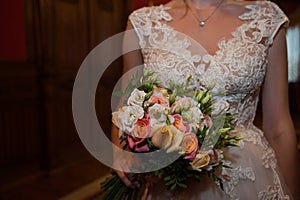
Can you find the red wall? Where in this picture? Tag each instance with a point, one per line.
(12, 34)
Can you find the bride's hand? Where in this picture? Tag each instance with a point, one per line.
(122, 166)
(128, 179)
(124, 162)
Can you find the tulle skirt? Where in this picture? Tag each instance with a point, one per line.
(254, 175)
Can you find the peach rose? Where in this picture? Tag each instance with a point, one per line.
(190, 145)
(178, 123)
(158, 100)
(201, 160)
(139, 135)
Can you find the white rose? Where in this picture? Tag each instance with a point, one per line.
(130, 117)
(136, 97)
(192, 115)
(158, 114)
(117, 119)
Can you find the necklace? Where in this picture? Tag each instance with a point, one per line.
(202, 22)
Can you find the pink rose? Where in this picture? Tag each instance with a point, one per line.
(190, 145)
(178, 123)
(141, 131)
(207, 122)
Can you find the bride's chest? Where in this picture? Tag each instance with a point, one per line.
(237, 66)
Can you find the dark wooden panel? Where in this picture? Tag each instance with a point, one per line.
(64, 40)
(61, 133)
(107, 18)
(64, 32)
(60, 34)
(36, 124)
(19, 114)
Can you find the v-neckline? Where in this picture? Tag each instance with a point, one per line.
(218, 44)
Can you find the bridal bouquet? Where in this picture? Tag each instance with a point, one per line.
(178, 120)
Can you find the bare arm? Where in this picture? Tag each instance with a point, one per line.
(130, 60)
(277, 123)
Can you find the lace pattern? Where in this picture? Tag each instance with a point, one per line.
(273, 191)
(236, 175)
(239, 66)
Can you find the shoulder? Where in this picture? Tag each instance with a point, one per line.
(151, 12)
(267, 17)
(264, 7)
(264, 10)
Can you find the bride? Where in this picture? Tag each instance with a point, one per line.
(239, 45)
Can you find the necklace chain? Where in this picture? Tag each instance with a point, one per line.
(202, 22)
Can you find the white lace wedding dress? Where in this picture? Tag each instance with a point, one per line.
(239, 66)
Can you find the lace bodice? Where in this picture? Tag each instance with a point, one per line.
(239, 64)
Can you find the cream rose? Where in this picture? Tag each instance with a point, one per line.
(167, 137)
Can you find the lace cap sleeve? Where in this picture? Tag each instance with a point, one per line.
(144, 19)
(267, 18)
(279, 18)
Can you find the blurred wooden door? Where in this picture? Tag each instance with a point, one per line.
(69, 29)
(36, 116)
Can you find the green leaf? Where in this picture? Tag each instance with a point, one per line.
(167, 178)
(118, 93)
(171, 182)
(129, 88)
(220, 181)
(173, 187)
(182, 185)
(226, 166)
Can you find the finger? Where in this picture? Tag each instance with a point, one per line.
(125, 179)
(136, 184)
(133, 179)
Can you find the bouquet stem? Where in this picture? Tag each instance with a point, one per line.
(114, 188)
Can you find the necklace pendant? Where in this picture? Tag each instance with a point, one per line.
(202, 23)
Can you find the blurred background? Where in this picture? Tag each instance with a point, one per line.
(43, 43)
